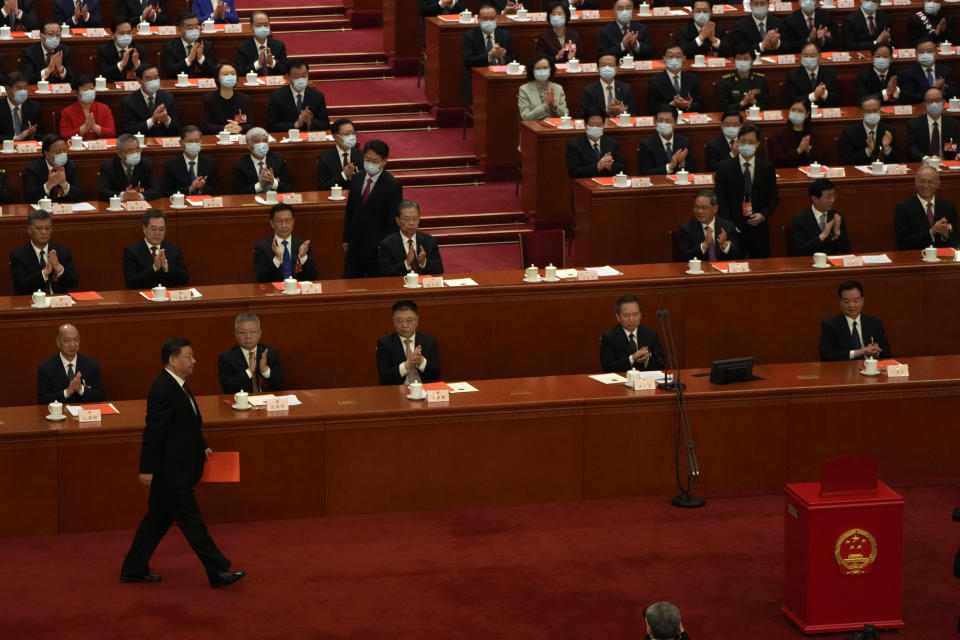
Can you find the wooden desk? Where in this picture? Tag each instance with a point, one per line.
(514, 441)
(610, 230)
(301, 158)
(715, 316)
(98, 238)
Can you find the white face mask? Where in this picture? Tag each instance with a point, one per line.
(541, 75)
(869, 7)
(133, 159)
(558, 21)
(87, 96)
(299, 84)
(796, 118)
(123, 41)
(665, 129)
(348, 142)
(747, 150)
(150, 87)
(60, 159)
(372, 168)
(594, 133)
(488, 26)
(743, 66)
(931, 8)
(191, 35)
(19, 96)
(807, 6)
(871, 119)
(607, 72)
(701, 18)
(926, 59)
(731, 132)
(52, 42)
(228, 81)
(192, 149)
(760, 13)
(674, 64)
(261, 33)
(260, 149)
(810, 62)
(881, 64)
(623, 16)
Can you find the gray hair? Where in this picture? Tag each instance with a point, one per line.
(709, 194)
(39, 214)
(124, 138)
(246, 317)
(408, 204)
(256, 132)
(663, 619)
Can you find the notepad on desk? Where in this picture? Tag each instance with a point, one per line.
(460, 282)
(106, 409)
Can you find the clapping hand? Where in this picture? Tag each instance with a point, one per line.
(197, 185)
(302, 252)
(304, 119)
(416, 357)
(266, 178)
(605, 162)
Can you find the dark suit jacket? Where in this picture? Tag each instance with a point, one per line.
(25, 270)
(173, 444)
(113, 179)
(918, 137)
(132, 10)
(393, 253)
(36, 176)
(717, 150)
(782, 146)
(548, 44)
(4, 188)
(248, 53)
(108, 57)
(32, 62)
(796, 32)
(593, 100)
(474, 51)
(282, 111)
(687, 37)
(913, 82)
(232, 370)
(28, 19)
(176, 178)
(853, 144)
(364, 225)
(913, 230)
(174, 59)
(835, 337)
(856, 34)
(134, 114)
(746, 35)
(729, 188)
(805, 235)
(916, 29)
(245, 174)
(267, 272)
(615, 350)
(215, 112)
(330, 168)
(868, 83)
(690, 237)
(30, 114)
(581, 162)
(390, 355)
(63, 13)
(652, 156)
(660, 91)
(799, 86)
(610, 38)
(52, 381)
(138, 270)
(433, 8)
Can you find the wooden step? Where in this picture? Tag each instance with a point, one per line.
(394, 122)
(478, 236)
(438, 177)
(385, 109)
(361, 71)
(435, 162)
(312, 9)
(346, 58)
(310, 23)
(452, 221)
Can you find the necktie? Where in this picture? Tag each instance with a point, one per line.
(129, 171)
(855, 341)
(489, 43)
(676, 83)
(669, 146)
(809, 23)
(763, 29)
(413, 375)
(416, 264)
(609, 94)
(151, 105)
(822, 220)
(930, 78)
(191, 171)
(366, 191)
(299, 102)
(872, 26)
(17, 121)
(285, 263)
(632, 343)
(935, 140)
(346, 159)
(712, 249)
(193, 403)
(747, 182)
(70, 372)
(254, 371)
(43, 265)
(596, 152)
(883, 78)
(930, 213)
(46, 58)
(189, 48)
(873, 140)
(153, 252)
(813, 80)
(259, 168)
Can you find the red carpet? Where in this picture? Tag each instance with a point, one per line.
(481, 257)
(483, 198)
(353, 41)
(570, 571)
(391, 90)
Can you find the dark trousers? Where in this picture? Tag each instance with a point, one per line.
(361, 259)
(167, 505)
(755, 240)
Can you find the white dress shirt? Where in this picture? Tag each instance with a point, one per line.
(276, 261)
(850, 322)
(816, 74)
(46, 190)
(256, 165)
(76, 369)
(258, 45)
(46, 258)
(186, 44)
(636, 341)
(413, 346)
(246, 358)
(712, 225)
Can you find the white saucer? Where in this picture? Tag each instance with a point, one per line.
(695, 273)
(294, 293)
(934, 260)
(524, 279)
(580, 70)
(821, 266)
(114, 210)
(619, 124)
(337, 199)
(412, 286)
(562, 128)
(872, 375)
(621, 186)
(43, 93)
(224, 143)
(239, 408)
(292, 140)
(544, 279)
(251, 84)
(179, 206)
(40, 306)
(410, 397)
(52, 419)
(164, 299)
(183, 86)
(14, 150)
(698, 66)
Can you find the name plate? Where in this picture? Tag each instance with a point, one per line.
(905, 53)
(316, 136)
(63, 207)
(698, 118)
(27, 147)
(539, 16)
(96, 32)
(169, 142)
(586, 274)
(136, 205)
(213, 202)
(310, 287)
(898, 371)
(897, 170)
(431, 282)
(738, 267)
(438, 395)
(772, 114)
(180, 295)
(836, 172)
(716, 62)
(588, 67)
(61, 87)
(277, 404)
(233, 28)
(642, 65)
(788, 58)
(89, 415)
(130, 85)
(167, 31)
(273, 81)
(60, 302)
(292, 198)
(661, 11)
(853, 261)
(903, 110)
(588, 14)
(640, 182)
(644, 384)
(718, 8)
(783, 6)
(831, 112)
(845, 4)
(96, 145)
(703, 178)
(643, 121)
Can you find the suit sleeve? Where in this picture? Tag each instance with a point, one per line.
(159, 413)
(851, 152)
(907, 238)
(389, 264)
(915, 143)
(387, 371)
(133, 276)
(771, 206)
(473, 56)
(263, 265)
(656, 361)
(231, 380)
(327, 176)
(608, 357)
(92, 379)
(275, 120)
(321, 121)
(276, 381)
(69, 278)
(33, 185)
(151, 191)
(243, 63)
(575, 167)
(308, 270)
(829, 348)
(284, 181)
(45, 387)
(687, 246)
(431, 372)
(434, 261)
(242, 183)
(648, 164)
(132, 122)
(881, 339)
(619, 164)
(174, 61)
(177, 274)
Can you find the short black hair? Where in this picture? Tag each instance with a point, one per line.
(79, 80)
(43, 27)
(172, 347)
(38, 214)
(404, 305)
(881, 45)
(296, 63)
(14, 77)
(220, 65)
(484, 5)
(339, 123)
(848, 286)
(749, 128)
(922, 40)
(48, 140)
(186, 15)
(550, 6)
(673, 44)
(150, 214)
(743, 48)
(281, 206)
(119, 21)
(589, 113)
(627, 299)
(871, 96)
(143, 68)
(379, 147)
(406, 203)
(732, 111)
(190, 128)
(604, 54)
(538, 58)
(807, 44)
(818, 186)
(666, 108)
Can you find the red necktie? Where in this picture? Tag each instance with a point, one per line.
(366, 191)
(809, 23)
(930, 213)
(872, 26)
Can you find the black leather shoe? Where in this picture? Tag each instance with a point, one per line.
(224, 578)
(147, 578)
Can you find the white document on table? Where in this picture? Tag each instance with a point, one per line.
(460, 282)
(609, 378)
(881, 258)
(461, 387)
(605, 271)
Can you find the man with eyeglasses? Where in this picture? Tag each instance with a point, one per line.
(407, 356)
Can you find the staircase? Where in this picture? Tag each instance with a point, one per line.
(310, 16)
(476, 228)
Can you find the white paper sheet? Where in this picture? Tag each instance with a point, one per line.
(261, 400)
(880, 258)
(605, 271)
(460, 282)
(609, 378)
(461, 387)
(566, 273)
(292, 400)
(74, 409)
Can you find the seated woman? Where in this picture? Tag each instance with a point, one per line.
(557, 41)
(220, 10)
(86, 117)
(792, 145)
(225, 109)
(540, 98)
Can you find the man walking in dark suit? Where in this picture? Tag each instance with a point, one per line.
(69, 377)
(819, 228)
(120, 58)
(261, 171)
(932, 134)
(41, 265)
(607, 95)
(337, 166)
(409, 249)
(630, 345)
(484, 46)
(19, 116)
(852, 335)
(593, 154)
(248, 365)
(707, 236)
(666, 151)
(128, 174)
(282, 255)
(155, 260)
(925, 220)
(870, 139)
(406, 356)
(680, 89)
(624, 35)
(150, 110)
(262, 53)
(171, 463)
(188, 53)
(53, 175)
(192, 172)
(48, 59)
(371, 212)
(298, 106)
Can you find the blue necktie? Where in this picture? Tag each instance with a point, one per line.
(930, 79)
(855, 337)
(193, 174)
(285, 263)
(299, 102)
(70, 372)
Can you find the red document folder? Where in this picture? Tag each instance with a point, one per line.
(223, 466)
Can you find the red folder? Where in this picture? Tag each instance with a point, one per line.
(436, 386)
(105, 409)
(86, 295)
(222, 466)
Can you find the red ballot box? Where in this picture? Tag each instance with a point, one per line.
(843, 550)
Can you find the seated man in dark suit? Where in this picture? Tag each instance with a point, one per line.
(813, 81)
(819, 228)
(155, 261)
(135, 11)
(283, 255)
(630, 345)
(52, 175)
(262, 53)
(680, 89)
(409, 249)
(706, 236)
(932, 134)
(336, 166)
(298, 106)
(760, 32)
(607, 95)
(69, 377)
(868, 140)
(128, 174)
(925, 220)
(19, 116)
(744, 87)
(624, 35)
(192, 172)
(23, 18)
(77, 16)
(724, 146)
(41, 265)
(851, 334)
(926, 73)
(867, 28)
(372, 207)
(483, 46)
(593, 154)
(809, 24)
(150, 111)
(441, 7)
(119, 59)
(666, 151)
(188, 53)
(406, 356)
(249, 365)
(48, 59)
(261, 171)
(702, 36)
(930, 23)
(879, 79)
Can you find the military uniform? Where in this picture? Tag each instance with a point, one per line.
(732, 88)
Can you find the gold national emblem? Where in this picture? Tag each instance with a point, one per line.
(855, 552)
